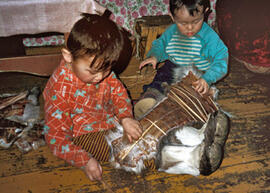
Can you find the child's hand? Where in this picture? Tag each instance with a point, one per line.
(132, 128)
(201, 86)
(93, 170)
(152, 60)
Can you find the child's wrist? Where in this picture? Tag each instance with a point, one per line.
(90, 155)
(121, 119)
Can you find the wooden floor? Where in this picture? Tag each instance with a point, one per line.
(245, 168)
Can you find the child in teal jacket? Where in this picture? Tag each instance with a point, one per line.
(188, 42)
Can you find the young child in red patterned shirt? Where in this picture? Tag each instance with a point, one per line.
(83, 97)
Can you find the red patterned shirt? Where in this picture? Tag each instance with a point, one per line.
(73, 108)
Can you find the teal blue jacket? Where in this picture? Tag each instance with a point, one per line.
(213, 49)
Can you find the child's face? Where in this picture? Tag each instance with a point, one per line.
(187, 24)
(81, 67)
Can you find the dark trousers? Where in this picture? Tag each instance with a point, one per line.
(164, 74)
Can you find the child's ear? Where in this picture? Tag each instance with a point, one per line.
(66, 55)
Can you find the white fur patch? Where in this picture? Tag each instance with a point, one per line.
(189, 136)
(181, 160)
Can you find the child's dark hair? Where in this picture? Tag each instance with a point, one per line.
(191, 5)
(96, 35)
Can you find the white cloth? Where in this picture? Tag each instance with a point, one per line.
(36, 16)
